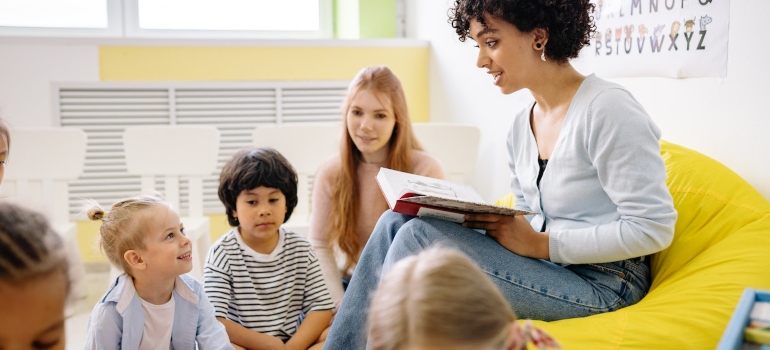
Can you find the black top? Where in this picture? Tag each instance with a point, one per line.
(543, 163)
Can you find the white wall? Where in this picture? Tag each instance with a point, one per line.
(726, 119)
(27, 71)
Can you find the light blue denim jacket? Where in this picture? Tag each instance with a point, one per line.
(117, 321)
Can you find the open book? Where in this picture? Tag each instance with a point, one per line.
(425, 196)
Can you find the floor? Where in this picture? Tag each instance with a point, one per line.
(97, 280)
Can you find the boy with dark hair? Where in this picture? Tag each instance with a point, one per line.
(265, 283)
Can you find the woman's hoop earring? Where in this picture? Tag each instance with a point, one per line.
(542, 55)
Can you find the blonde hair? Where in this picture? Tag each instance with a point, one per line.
(5, 133)
(437, 297)
(121, 229)
(29, 247)
(345, 188)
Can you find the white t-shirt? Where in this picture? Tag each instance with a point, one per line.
(158, 322)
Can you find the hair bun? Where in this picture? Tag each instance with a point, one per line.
(96, 214)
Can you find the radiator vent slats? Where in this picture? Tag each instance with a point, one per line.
(104, 110)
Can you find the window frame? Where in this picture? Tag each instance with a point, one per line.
(114, 27)
(123, 22)
(132, 29)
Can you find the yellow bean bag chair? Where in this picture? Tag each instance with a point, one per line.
(721, 246)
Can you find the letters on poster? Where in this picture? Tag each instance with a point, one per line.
(677, 38)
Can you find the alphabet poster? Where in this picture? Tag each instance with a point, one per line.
(664, 38)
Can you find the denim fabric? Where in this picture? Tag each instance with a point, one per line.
(535, 288)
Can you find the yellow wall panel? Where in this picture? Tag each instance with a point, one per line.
(147, 63)
(88, 239)
(219, 226)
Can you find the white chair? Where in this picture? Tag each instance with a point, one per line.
(456, 146)
(306, 146)
(173, 152)
(40, 165)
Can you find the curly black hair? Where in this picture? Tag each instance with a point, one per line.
(569, 23)
(250, 168)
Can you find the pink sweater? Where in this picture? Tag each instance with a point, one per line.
(373, 204)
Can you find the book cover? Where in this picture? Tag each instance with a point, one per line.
(425, 196)
(758, 330)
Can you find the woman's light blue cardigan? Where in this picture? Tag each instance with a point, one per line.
(603, 195)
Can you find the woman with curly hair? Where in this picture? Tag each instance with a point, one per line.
(584, 158)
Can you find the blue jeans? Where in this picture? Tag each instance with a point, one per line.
(536, 289)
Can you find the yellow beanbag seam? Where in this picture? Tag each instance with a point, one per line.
(726, 201)
(622, 325)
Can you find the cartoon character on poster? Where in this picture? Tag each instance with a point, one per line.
(674, 35)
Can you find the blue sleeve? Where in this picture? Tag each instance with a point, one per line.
(211, 333)
(520, 203)
(105, 328)
(623, 145)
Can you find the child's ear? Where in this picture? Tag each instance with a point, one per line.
(134, 260)
(514, 340)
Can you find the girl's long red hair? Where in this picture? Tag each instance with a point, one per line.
(345, 189)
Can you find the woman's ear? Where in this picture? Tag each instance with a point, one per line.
(134, 260)
(540, 37)
(514, 340)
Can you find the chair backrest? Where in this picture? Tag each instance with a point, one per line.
(306, 146)
(41, 163)
(456, 146)
(173, 151)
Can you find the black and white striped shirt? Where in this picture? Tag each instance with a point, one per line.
(267, 293)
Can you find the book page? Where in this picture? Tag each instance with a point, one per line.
(464, 206)
(761, 311)
(387, 190)
(406, 183)
(431, 188)
(453, 217)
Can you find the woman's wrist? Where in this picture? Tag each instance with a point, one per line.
(545, 247)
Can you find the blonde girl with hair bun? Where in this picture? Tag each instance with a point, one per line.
(439, 299)
(346, 199)
(153, 304)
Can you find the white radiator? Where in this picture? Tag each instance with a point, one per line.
(103, 110)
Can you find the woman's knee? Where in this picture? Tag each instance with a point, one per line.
(427, 232)
(390, 222)
(431, 228)
(392, 218)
